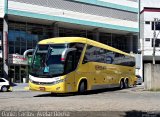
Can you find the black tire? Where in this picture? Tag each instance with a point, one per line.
(121, 84)
(82, 87)
(126, 84)
(4, 88)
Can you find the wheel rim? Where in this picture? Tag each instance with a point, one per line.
(4, 89)
(82, 87)
(126, 84)
(121, 85)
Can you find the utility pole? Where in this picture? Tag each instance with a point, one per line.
(154, 39)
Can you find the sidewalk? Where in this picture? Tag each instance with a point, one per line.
(20, 87)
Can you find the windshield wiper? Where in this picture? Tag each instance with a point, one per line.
(48, 54)
(46, 68)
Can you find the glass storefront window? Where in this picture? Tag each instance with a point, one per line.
(66, 32)
(23, 36)
(114, 40)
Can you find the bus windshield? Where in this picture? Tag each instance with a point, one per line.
(47, 61)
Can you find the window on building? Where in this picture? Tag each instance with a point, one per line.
(147, 39)
(157, 43)
(157, 26)
(147, 22)
(23, 36)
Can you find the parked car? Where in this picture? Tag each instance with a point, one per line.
(139, 80)
(4, 85)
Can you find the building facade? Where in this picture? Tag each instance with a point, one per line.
(149, 11)
(25, 22)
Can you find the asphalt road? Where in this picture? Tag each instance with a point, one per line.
(107, 100)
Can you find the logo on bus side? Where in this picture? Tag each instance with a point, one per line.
(98, 67)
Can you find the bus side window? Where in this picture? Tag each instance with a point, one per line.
(77, 57)
(85, 60)
(79, 47)
(70, 62)
(88, 55)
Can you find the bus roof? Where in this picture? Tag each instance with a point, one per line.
(80, 40)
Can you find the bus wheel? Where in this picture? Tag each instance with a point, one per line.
(82, 87)
(126, 83)
(121, 85)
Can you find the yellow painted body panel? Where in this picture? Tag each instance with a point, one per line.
(112, 74)
(62, 87)
(105, 74)
(49, 88)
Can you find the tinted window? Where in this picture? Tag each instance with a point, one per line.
(118, 58)
(1, 80)
(147, 22)
(157, 26)
(79, 48)
(95, 54)
(70, 62)
(157, 43)
(147, 39)
(92, 54)
(128, 61)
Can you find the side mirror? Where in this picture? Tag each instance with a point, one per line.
(65, 52)
(26, 52)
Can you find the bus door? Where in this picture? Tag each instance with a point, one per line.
(70, 66)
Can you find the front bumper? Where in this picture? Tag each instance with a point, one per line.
(55, 88)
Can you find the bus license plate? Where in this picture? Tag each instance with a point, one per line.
(42, 88)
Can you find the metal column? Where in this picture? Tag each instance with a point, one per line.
(5, 47)
(131, 43)
(55, 29)
(96, 34)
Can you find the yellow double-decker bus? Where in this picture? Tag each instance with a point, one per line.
(71, 64)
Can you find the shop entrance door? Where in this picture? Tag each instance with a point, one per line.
(18, 73)
(11, 73)
(24, 74)
(14, 74)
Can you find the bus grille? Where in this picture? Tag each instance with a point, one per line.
(43, 83)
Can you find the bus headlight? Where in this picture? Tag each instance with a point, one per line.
(58, 81)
